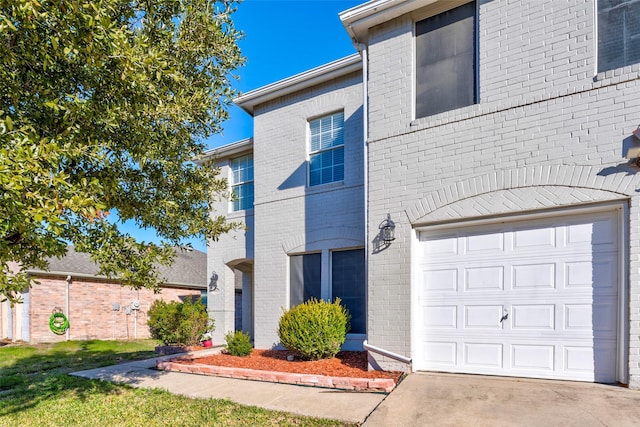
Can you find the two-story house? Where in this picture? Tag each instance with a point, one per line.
(467, 183)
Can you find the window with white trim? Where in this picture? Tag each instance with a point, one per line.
(326, 149)
(242, 183)
(446, 61)
(618, 33)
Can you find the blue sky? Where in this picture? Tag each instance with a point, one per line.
(282, 38)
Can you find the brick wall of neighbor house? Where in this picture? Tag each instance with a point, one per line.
(545, 133)
(91, 314)
(290, 217)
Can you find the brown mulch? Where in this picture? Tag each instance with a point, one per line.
(346, 364)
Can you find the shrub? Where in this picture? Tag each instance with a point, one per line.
(180, 323)
(238, 343)
(315, 329)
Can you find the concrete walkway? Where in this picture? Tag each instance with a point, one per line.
(352, 407)
(421, 399)
(431, 399)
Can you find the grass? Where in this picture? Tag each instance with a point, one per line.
(35, 390)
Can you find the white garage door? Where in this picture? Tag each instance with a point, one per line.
(535, 298)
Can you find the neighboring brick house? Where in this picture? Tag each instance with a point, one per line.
(97, 307)
(498, 138)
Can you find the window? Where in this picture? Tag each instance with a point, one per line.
(446, 61)
(242, 183)
(348, 284)
(326, 150)
(305, 278)
(618, 33)
(347, 277)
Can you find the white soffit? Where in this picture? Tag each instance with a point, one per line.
(318, 75)
(359, 19)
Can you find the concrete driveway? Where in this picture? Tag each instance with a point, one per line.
(430, 399)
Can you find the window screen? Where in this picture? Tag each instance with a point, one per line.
(348, 283)
(445, 61)
(618, 33)
(304, 278)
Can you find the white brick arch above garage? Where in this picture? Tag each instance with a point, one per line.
(518, 190)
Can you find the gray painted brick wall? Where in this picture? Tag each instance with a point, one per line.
(545, 124)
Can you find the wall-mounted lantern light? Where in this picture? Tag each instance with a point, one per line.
(388, 230)
(213, 283)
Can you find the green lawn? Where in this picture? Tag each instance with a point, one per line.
(35, 390)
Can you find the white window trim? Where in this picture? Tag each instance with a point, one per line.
(233, 184)
(312, 153)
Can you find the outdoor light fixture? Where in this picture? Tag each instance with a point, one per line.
(387, 230)
(213, 283)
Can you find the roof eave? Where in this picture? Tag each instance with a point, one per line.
(359, 19)
(226, 150)
(315, 76)
(102, 277)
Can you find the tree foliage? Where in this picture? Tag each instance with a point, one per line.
(103, 105)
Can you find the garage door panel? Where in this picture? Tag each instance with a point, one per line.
(441, 354)
(484, 278)
(483, 317)
(534, 276)
(533, 357)
(598, 275)
(483, 354)
(439, 317)
(483, 243)
(537, 238)
(440, 280)
(595, 233)
(533, 317)
(556, 280)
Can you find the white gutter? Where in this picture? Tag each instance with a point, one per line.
(386, 353)
(321, 74)
(226, 150)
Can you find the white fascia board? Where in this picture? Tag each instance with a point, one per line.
(315, 76)
(359, 19)
(226, 150)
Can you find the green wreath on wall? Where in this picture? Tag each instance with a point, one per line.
(58, 323)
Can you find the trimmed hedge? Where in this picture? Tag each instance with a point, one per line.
(315, 329)
(238, 343)
(180, 323)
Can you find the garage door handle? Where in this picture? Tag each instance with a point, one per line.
(505, 317)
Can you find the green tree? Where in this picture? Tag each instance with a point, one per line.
(103, 105)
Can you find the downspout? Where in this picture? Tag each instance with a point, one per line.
(362, 48)
(68, 280)
(386, 353)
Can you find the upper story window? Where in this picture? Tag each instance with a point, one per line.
(618, 33)
(446, 61)
(326, 149)
(242, 183)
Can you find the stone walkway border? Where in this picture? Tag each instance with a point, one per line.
(385, 385)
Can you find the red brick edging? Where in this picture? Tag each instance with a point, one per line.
(359, 384)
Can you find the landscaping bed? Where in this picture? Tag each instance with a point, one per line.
(348, 370)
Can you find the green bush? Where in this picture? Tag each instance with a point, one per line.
(315, 329)
(238, 343)
(179, 323)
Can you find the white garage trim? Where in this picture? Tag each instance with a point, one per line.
(481, 339)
